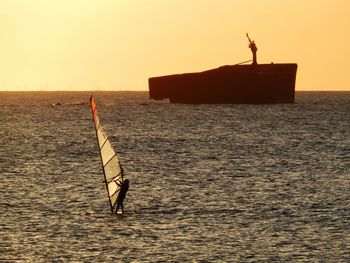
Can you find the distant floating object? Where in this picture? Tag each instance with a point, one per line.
(70, 104)
(79, 104)
(231, 84)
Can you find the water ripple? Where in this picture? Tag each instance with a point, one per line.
(232, 183)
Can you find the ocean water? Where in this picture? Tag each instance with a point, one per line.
(208, 183)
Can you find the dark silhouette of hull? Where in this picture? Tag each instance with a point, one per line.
(237, 84)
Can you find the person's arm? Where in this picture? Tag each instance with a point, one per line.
(248, 38)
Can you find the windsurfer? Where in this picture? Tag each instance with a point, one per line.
(124, 187)
(253, 48)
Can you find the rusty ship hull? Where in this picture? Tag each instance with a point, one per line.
(236, 84)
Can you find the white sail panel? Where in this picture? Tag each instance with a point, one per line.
(111, 167)
(113, 198)
(101, 136)
(112, 188)
(107, 152)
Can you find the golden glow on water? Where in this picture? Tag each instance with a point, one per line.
(213, 183)
(115, 45)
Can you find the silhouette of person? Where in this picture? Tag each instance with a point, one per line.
(124, 187)
(253, 48)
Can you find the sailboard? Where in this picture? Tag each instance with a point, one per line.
(112, 170)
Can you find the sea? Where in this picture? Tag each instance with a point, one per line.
(208, 183)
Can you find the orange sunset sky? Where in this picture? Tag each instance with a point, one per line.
(119, 44)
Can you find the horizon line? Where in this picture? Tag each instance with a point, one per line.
(108, 90)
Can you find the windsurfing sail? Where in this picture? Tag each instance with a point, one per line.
(112, 170)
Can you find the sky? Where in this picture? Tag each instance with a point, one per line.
(119, 44)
